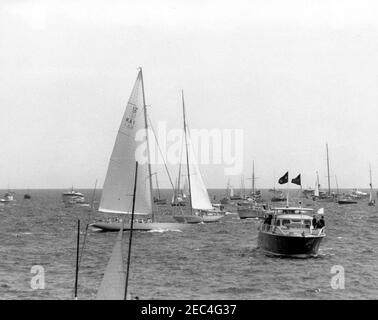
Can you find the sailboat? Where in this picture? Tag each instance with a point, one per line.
(371, 200)
(158, 200)
(255, 194)
(226, 197)
(179, 195)
(324, 196)
(118, 185)
(198, 196)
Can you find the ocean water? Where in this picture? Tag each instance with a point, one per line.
(207, 261)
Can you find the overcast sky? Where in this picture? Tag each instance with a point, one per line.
(292, 75)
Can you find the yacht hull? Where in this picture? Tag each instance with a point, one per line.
(249, 213)
(139, 226)
(188, 219)
(289, 246)
(346, 202)
(197, 219)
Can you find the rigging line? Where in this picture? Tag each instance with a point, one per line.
(88, 221)
(157, 143)
(131, 231)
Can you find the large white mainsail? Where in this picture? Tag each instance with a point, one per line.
(198, 191)
(118, 186)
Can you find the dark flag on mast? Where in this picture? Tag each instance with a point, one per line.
(284, 178)
(297, 180)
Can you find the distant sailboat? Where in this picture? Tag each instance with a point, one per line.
(325, 196)
(226, 197)
(371, 200)
(158, 200)
(179, 195)
(118, 185)
(198, 198)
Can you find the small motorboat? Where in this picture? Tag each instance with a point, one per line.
(289, 232)
(8, 197)
(73, 198)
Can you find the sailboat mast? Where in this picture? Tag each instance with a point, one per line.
(77, 257)
(253, 176)
(337, 185)
(287, 195)
(187, 154)
(148, 146)
(329, 182)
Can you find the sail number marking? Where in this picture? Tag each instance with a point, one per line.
(130, 121)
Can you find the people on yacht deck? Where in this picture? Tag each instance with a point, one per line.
(321, 223)
(314, 222)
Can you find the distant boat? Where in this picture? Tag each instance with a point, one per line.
(201, 209)
(8, 197)
(357, 194)
(72, 198)
(324, 196)
(255, 194)
(179, 196)
(308, 193)
(346, 201)
(278, 198)
(252, 210)
(226, 197)
(289, 232)
(158, 200)
(278, 195)
(119, 181)
(371, 200)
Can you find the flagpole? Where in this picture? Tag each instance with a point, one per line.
(287, 195)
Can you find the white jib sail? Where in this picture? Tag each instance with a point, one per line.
(117, 193)
(198, 192)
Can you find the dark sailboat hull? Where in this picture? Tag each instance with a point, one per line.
(289, 246)
(346, 202)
